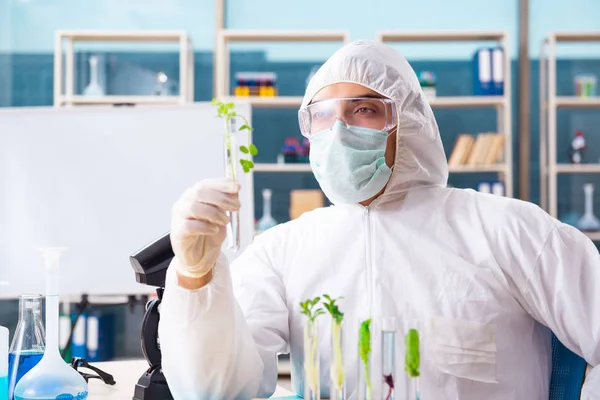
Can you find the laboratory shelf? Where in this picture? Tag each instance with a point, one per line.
(577, 168)
(467, 101)
(441, 36)
(274, 167)
(268, 102)
(80, 100)
(549, 105)
(435, 102)
(595, 236)
(64, 64)
(234, 35)
(577, 102)
(478, 168)
(123, 36)
(502, 104)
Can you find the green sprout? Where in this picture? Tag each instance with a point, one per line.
(311, 363)
(337, 367)
(364, 351)
(412, 359)
(227, 112)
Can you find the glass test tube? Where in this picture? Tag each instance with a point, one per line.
(412, 360)
(312, 390)
(231, 163)
(388, 358)
(337, 389)
(364, 387)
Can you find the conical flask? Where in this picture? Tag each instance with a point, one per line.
(267, 221)
(27, 347)
(52, 377)
(589, 222)
(93, 88)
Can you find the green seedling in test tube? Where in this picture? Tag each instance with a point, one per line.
(337, 366)
(364, 351)
(311, 347)
(227, 112)
(413, 359)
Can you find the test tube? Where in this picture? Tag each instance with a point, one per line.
(413, 360)
(337, 389)
(388, 360)
(312, 390)
(365, 389)
(231, 163)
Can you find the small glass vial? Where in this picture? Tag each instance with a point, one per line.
(312, 389)
(388, 358)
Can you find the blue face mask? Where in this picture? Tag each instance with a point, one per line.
(349, 162)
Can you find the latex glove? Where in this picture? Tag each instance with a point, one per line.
(198, 224)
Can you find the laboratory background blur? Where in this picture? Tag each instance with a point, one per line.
(479, 62)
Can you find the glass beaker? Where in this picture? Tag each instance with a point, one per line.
(27, 347)
(52, 377)
(231, 163)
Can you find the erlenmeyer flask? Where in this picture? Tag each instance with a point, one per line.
(267, 221)
(27, 347)
(589, 222)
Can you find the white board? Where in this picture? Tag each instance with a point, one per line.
(101, 182)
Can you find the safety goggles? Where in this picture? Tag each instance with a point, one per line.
(363, 112)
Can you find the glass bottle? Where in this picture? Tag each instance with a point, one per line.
(27, 347)
(589, 222)
(312, 389)
(93, 88)
(266, 221)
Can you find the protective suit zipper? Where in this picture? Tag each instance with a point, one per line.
(369, 263)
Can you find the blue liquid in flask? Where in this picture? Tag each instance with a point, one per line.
(21, 362)
(3, 387)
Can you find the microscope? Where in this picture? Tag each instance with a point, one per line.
(150, 265)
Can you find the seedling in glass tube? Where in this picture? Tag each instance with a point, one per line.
(337, 365)
(311, 348)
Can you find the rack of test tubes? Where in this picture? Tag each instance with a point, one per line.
(378, 341)
(261, 84)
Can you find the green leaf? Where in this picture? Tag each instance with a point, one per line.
(215, 101)
(245, 127)
(244, 149)
(326, 296)
(253, 149)
(246, 168)
(250, 164)
(232, 114)
(229, 106)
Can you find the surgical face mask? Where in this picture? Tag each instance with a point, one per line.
(349, 162)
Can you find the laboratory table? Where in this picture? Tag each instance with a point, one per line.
(126, 374)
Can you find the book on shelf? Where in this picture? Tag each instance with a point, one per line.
(485, 149)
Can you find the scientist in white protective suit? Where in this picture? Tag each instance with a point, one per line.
(487, 277)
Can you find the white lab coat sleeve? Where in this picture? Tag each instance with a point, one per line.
(208, 347)
(556, 271)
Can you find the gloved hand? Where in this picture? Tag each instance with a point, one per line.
(198, 224)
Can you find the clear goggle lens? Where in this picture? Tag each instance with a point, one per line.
(363, 112)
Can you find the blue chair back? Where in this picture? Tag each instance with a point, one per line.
(568, 373)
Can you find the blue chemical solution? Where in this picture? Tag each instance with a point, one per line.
(66, 396)
(24, 360)
(3, 387)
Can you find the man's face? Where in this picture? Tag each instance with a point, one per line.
(353, 90)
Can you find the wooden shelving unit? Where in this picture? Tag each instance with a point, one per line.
(549, 105)
(64, 70)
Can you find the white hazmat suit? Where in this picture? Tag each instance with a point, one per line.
(485, 276)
